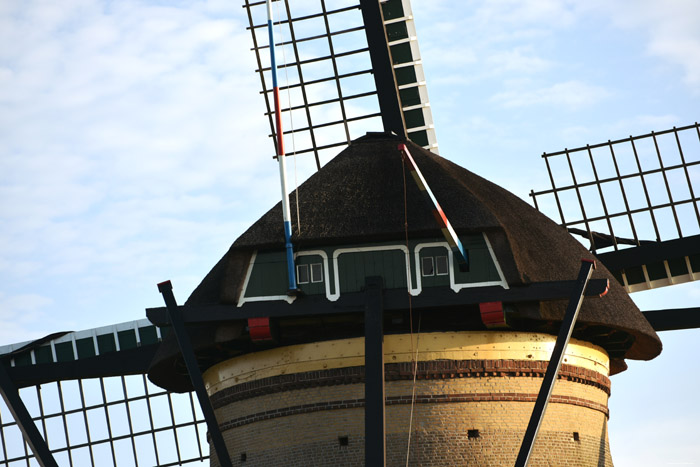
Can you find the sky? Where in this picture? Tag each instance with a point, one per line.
(134, 149)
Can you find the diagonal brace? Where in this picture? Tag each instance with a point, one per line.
(550, 376)
(178, 326)
(450, 235)
(24, 420)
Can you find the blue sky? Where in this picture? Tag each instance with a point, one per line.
(133, 149)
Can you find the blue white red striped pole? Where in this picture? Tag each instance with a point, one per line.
(458, 251)
(291, 273)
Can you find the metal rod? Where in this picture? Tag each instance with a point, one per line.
(150, 418)
(85, 420)
(646, 190)
(108, 421)
(320, 80)
(624, 196)
(301, 18)
(668, 187)
(631, 138)
(291, 273)
(375, 424)
(602, 198)
(613, 179)
(687, 175)
(313, 38)
(554, 189)
(580, 203)
(550, 376)
(304, 97)
(335, 72)
(178, 327)
(24, 421)
(131, 425)
(298, 64)
(634, 211)
(260, 68)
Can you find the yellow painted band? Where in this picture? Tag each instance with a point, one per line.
(466, 345)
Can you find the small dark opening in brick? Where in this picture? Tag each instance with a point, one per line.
(343, 440)
(576, 436)
(244, 457)
(471, 434)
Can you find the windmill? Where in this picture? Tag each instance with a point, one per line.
(135, 331)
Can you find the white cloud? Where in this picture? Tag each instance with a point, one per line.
(571, 95)
(21, 317)
(671, 30)
(125, 147)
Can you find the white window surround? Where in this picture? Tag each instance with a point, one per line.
(417, 263)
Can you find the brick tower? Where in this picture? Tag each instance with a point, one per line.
(290, 390)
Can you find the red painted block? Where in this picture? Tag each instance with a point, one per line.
(492, 314)
(259, 329)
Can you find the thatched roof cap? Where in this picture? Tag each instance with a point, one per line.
(359, 197)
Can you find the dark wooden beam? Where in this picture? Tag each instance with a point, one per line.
(550, 376)
(183, 340)
(124, 362)
(673, 319)
(394, 299)
(382, 67)
(375, 436)
(26, 425)
(649, 253)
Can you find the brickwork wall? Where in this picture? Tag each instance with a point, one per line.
(318, 419)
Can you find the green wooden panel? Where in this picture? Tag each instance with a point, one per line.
(434, 280)
(396, 31)
(148, 335)
(405, 75)
(354, 268)
(269, 275)
(392, 9)
(481, 265)
(105, 343)
(695, 262)
(635, 275)
(409, 96)
(43, 354)
(86, 347)
(64, 352)
(656, 271)
(677, 266)
(23, 359)
(127, 339)
(312, 288)
(419, 137)
(401, 53)
(414, 118)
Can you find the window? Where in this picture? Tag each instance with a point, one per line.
(427, 266)
(302, 274)
(309, 273)
(441, 266)
(434, 266)
(316, 272)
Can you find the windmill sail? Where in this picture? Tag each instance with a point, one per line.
(636, 200)
(332, 89)
(89, 397)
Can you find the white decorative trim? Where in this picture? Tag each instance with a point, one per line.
(241, 297)
(341, 251)
(326, 273)
(335, 294)
(503, 283)
(268, 298)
